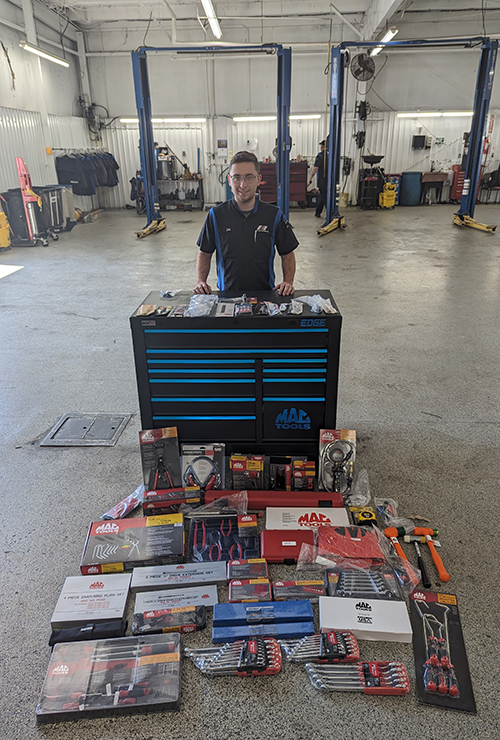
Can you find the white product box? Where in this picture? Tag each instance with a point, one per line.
(298, 517)
(174, 598)
(368, 619)
(87, 599)
(159, 577)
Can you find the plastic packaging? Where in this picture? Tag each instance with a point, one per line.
(127, 505)
(318, 304)
(272, 308)
(360, 492)
(296, 307)
(387, 509)
(169, 293)
(201, 305)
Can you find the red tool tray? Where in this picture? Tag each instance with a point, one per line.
(283, 546)
(263, 499)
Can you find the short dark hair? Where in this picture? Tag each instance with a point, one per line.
(322, 143)
(245, 157)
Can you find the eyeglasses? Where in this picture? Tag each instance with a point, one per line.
(238, 178)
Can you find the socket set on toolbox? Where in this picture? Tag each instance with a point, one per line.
(328, 647)
(367, 583)
(377, 677)
(105, 677)
(259, 656)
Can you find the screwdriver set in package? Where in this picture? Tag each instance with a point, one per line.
(100, 678)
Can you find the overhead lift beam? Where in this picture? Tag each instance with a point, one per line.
(143, 101)
(484, 84)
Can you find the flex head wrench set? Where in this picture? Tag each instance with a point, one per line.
(260, 656)
(378, 677)
(328, 647)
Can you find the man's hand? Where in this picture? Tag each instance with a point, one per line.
(202, 288)
(285, 288)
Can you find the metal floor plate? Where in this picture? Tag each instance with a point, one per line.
(86, 430)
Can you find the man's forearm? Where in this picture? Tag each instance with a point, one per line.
(288, 267)
(202, 266)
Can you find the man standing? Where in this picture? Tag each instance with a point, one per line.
(244, 233)
(320, 166)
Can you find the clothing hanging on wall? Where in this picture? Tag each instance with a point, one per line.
(86, 170)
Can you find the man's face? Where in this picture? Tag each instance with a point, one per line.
(244, 181)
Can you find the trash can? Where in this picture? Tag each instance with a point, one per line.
(411, 184)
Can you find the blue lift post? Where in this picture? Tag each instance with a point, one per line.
(481, 104)
(143, 100)
(485, 73)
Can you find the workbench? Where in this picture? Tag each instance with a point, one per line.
(260, 383)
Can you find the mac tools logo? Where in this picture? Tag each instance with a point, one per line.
(108, 528)
(293, 419)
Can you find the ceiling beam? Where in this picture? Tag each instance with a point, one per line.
(378, 16)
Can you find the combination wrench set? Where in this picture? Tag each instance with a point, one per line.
(260, 656)
(378, 677)
(328, 647)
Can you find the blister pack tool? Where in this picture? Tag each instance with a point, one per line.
(328, 647)
(260, 656)
(377, 677)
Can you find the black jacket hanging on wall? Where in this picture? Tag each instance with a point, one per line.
(86, 171)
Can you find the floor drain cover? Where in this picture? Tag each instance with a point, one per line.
(86, 430)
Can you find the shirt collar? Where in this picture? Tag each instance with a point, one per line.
(246, 213)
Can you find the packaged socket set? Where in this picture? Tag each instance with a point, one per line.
(168, 501)
(180, 619)
(311, 590)
(244, 569)
(101, 678)
(253, 589)
(124, 544)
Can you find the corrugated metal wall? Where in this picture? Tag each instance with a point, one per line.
(22, 134)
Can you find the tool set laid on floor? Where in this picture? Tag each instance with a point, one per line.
(335, 555)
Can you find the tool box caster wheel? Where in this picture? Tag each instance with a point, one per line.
(45, 242)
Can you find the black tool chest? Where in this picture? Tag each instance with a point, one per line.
(268, 382)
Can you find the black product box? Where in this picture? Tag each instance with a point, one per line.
(182, 619)
(284, 545)
(161, 463)
(280, 473)
(203, 466)
(125, 544)
(101, 678)
(247, 471)
(167, 501)
(244, 569)
(254, 589)
(441, 665)
(311, 590)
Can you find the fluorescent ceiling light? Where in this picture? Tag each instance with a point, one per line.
(212, 18)
(305, 117)
(458, 113)
(384, 40)
(166, 120)
(178, 120)
(40, 53)
(419, 114)
(254, 118)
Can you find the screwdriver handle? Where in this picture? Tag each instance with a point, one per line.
(443, 574)
(421, 565)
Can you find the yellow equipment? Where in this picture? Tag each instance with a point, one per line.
(4, 232)
(387, 198)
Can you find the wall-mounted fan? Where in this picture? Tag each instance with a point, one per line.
(362, 67)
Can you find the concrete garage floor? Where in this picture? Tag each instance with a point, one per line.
(419, 381)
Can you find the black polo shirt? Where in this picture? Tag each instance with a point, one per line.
(321, 162)
(245, 244)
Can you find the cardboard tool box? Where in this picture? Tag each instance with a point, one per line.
(368, 619)
(283, 546)
(299, 516)
(124, 544)
(279, 630)
(160, 577)
(83, 600)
